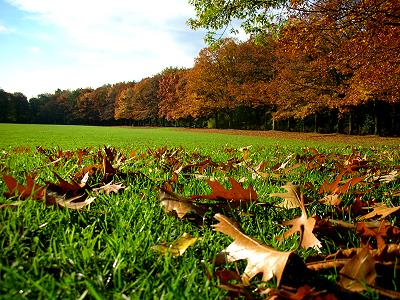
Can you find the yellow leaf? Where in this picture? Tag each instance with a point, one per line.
(178, 247)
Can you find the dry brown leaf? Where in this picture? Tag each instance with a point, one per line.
(358, 272)
(380, 209)
(77, 202)
(174, 202)
(31, 189)
(292, 198)
(178, 247)
(236, 194)
(305, 226)
(389, 177)
(332, 199)
(109, 188)
(302, 224)
(260, 258)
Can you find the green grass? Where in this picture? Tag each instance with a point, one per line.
(104, 251)
(65, 136)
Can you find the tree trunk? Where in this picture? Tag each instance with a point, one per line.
(393, 121)
(315, 123)
(273, 124)
(376, 128)
(339, 128)
(350, 123)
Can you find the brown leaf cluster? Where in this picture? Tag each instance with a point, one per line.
(360, 268)
(75, 193)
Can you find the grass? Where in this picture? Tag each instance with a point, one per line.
(104, 251)
(65, 136)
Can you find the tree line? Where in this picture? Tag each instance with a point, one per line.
(331, 66)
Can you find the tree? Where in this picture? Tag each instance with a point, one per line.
(145, 99)
(359, 41)
(257, 17)
(228, 78)
(172, 93)
(122, 101)
(45, 109)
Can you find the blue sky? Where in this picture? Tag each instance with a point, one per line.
(51, 44)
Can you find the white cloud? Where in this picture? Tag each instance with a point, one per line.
(120, 25)
(5, 29)
(108, 41)
(34, 49)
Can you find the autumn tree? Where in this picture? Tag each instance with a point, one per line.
(139, 101)
(172, 93)
(145, 99)
(86, 106)
(348, 50)
(358, 42)
(122, 102)
(228, 78)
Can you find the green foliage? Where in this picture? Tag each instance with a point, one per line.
(256, 17)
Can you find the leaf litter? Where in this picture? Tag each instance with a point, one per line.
(347, 191)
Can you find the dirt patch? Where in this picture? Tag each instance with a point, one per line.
(307, 136)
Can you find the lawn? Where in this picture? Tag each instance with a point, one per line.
(112, 247)
(14, 135)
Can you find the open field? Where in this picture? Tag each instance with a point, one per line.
(13, 135)
(68, 231)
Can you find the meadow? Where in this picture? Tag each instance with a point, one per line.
(129, 213)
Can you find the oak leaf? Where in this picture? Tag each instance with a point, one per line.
(358, 272)
(380, 209)
(292, 198)
(236, 194)
(302, 224)
(305, 226)
(24, 191)
(110, 188)
(332, 199)
(77, 202)
(260, 258)
(178, 247)
(174, 202)
(72, 188)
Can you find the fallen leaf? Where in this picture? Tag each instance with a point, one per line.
(260, 258)
(236, 194)
(24, 191)
(332, 199)
(76, 202)
(291, 197)
(305, 226)
(379, 232)
(174, 202)
(380, 209)
(302, 224)
(71, 188)
(358, 272)
(389, 177)
(281, 166)
(178, 247)
(300, 293)
(109, 188)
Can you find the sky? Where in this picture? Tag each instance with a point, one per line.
(68, 44)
